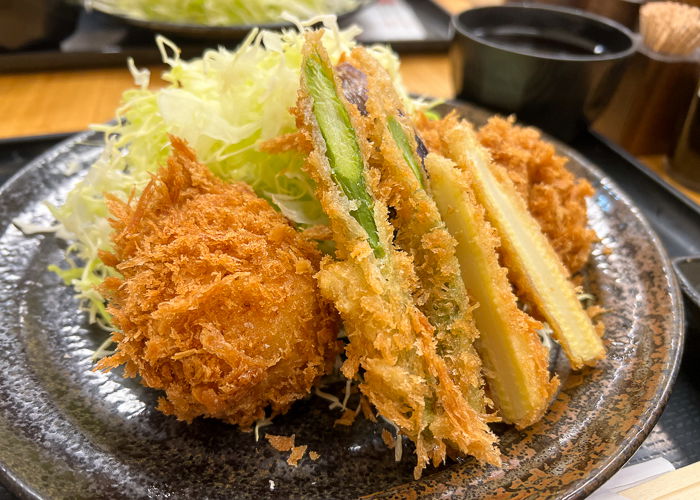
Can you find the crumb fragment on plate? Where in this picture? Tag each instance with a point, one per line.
(367, 409)
(595, 310)
(296, 455)
(280, 443)
(314, 455)
(594, 313)
(349, 416)
(388, 439)
(286, 443)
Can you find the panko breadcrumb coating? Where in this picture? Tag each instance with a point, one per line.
(392, 346)
(555, 197)
(218, 305)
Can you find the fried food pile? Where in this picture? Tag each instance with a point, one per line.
(452, 253)
(431, 236)
(423, 376)
(217, 304)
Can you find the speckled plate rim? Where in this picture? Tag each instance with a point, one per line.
(605, 468)
(617, 461)
(12, 482)
(613, 463)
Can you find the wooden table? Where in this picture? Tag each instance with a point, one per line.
(50, 102)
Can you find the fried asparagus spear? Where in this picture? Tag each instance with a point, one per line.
(392, 345)
(533, 264)
(419, 229)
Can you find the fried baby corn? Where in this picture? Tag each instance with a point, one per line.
(515, 361)
(418, 227)
(533, 265)
(217, 304)
(554, 196)
(392, 344)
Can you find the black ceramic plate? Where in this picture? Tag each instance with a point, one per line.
(68, 432)
(207, 32)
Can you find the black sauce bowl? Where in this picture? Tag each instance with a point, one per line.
(553, 67)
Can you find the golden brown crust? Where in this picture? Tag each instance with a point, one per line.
(295, 141)
(390, 339)
(217, 304)
(534, 266)
(280, 443)
(348, 417)
(296, 455)
(419, 230)
(388, 439)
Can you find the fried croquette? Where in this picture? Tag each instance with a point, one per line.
(554, 196)
(286, 443)
(217, 304)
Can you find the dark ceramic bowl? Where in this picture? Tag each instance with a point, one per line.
(688, 272)
(554, 67)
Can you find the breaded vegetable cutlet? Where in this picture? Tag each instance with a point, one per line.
(217, 304)
(516, 363)
(397, 159)
(393, 348)
(534, 267)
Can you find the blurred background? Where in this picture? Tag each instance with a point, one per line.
(648, 115)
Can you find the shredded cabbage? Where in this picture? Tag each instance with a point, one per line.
(221, 12)
(223, 104)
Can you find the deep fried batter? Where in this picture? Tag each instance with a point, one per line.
(218, 305)
(418, 228)
(514, 359)
(392, 347)
(555, 197)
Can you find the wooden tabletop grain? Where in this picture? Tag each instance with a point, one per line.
(50, 102)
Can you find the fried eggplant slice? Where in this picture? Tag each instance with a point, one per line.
(392, 346)
(534, 266)
(515, 361)
(419, 229)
